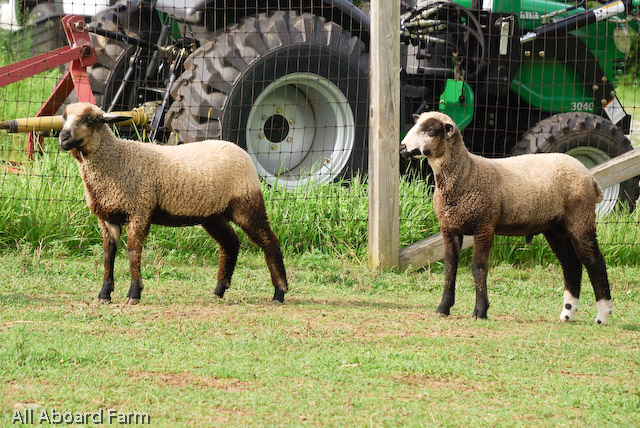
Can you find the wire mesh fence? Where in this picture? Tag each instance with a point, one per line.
(288, 82)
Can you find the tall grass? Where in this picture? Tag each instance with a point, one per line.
(44, 206)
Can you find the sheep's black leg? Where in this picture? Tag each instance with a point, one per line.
(571, 269)
(452, 245)
(220, 230)
(251, 216)
(483, 242)
(110, 237)
(588, 252)
(137, 232)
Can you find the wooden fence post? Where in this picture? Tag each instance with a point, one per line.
(384, 135)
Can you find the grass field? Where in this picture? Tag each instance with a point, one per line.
(350, 347)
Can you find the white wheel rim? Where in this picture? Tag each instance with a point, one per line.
(590, 157)
(300, 128)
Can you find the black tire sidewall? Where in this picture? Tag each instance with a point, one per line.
(306, 58)
(567, 141)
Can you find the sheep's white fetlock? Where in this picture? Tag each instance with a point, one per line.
(569, 307)
(605, 307)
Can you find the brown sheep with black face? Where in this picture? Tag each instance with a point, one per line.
(553, 194)
(129, 182)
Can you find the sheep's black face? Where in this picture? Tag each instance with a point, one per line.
(79, 122)
(428, 136)
(67, 142)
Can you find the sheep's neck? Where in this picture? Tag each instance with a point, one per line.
(453, 172)
(103, 161)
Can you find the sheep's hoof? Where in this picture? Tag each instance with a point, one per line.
(131, 301)
(278, 296)
(441, 315)
(605, 308)
(221, 287)
(566, 318)
(478, 315)
(275, 302)
(568, 313)
(104, 301)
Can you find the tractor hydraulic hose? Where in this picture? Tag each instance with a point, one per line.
(545, 18)
(420, 25)
(114, 35)
(162, 40)
(579, 20)
(140, 116)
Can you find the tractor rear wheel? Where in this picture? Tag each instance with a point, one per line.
(591, 139)
(290, 88)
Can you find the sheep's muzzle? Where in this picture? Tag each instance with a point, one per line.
(409, 154)
(67, 142)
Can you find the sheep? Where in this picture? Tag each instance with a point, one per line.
(553, 194)
(128, 182)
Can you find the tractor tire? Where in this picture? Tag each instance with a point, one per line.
(590, 138)
(290, 88)
(43, 30)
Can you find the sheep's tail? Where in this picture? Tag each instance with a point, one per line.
(598, 189)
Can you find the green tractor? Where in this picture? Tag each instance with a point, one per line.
(288, 79)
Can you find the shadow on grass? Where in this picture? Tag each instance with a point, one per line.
(354, 303)
(24, 299)
(631, 327)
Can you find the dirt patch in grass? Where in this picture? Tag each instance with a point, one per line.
(186, 378)
(375, 321)
(435, 382)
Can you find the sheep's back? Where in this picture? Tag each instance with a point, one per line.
(544, 187)
(199, 179)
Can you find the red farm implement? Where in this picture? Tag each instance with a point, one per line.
(79, 55)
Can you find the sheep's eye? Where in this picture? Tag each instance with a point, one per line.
(432, 127)
(64, 116)
(87, 120)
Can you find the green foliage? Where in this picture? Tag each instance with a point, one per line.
(44, 206)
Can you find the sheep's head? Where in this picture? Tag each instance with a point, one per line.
(80, 122)
(429, 137)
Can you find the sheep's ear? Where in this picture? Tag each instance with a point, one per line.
(113, 118)
(415, 118)
(449, 129)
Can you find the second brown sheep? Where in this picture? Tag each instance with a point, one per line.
(553, 194)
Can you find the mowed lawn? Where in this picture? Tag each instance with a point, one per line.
(350, 347)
